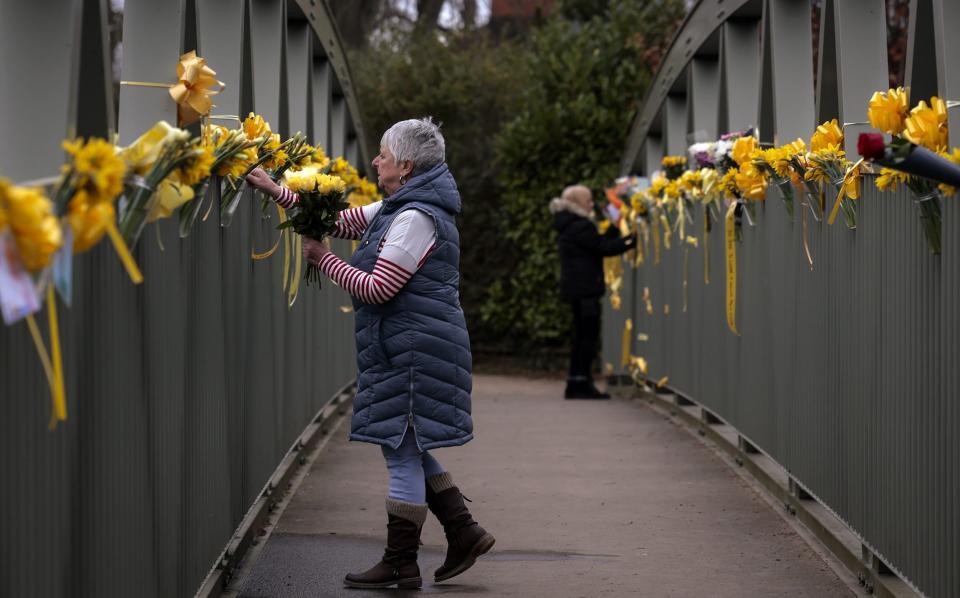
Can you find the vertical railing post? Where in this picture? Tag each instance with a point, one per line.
(860, 38)
(739, 75)
(675, 123)
(704, 93)
(792, 66)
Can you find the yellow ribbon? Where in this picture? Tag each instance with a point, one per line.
(806, 241)
(60, 396)
(682, 217)
(656, 243)
(281, 214)
(52, 369)
(731, 269)
(663, 381)
(646, 300)
(666, 231)
(843, 187)
(287, 247)
(192, 90)
(625, 349)
(686, 258)
(294, 288)
(706, 245)
(123, 252)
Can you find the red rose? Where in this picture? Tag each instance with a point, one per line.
(871, 145)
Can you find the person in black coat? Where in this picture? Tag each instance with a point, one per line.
(582, 249)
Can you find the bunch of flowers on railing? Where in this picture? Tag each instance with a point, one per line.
(728, 176)
(916, 154)
(105, 190)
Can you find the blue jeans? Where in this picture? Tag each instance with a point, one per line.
(409, 468)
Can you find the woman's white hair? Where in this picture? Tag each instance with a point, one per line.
(418, 140)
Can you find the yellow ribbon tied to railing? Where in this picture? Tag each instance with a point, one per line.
(192, 91)
(731, 268)
(706, 245)
(52, 364)
(625, 341)
(850, 187)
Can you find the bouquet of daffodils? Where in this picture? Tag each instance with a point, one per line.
(827, 163)
(232, 153)
(270, 153)
(776, 164)
(148, 192)
(322, 198)
(916, 156)
(89, 184)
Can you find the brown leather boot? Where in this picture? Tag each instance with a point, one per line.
(466, 540)
(399, 565)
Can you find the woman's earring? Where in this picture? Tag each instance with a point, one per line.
(402, 181)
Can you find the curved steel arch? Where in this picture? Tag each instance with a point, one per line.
(740, 63)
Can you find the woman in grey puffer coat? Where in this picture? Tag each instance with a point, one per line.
(413, 350)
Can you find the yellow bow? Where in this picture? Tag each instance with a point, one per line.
(192, 91)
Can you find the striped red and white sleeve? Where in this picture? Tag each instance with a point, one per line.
(350, 225)
(378, 286)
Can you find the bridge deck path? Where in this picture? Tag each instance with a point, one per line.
(585, 498)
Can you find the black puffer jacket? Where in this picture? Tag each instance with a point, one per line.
(582, 250)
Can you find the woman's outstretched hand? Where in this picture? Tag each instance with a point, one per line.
(313, 250)
(259, 179)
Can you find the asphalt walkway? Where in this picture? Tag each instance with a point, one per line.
(585, 498)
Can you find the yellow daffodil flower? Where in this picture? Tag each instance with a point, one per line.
(254, 126)
(889, 179)
(36, 231)
(750, 182)
(828, 136)
(927, 125)
(742, 148)
(954, 157)
(888, 111)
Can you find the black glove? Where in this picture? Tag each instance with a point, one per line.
(630, 240)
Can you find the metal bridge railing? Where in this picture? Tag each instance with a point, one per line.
(185, 392)
(845, 373)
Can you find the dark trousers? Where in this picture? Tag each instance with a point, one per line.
(586, 336)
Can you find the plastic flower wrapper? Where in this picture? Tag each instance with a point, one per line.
(826, 163)
(90, 182)
(232, 154)
(830, 166)
(743, 186)
(150, 160)
(923, 171)
(185, 183)
(775, 164)
(271, 153)
(322, 198)
(793, 161)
